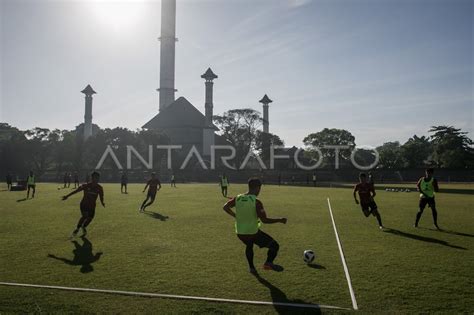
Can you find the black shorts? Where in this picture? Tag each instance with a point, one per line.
(151, 195)
(31, 186)
(369, 208)
(261, 239)
(124, 184)
(427, 201)
(87, 211)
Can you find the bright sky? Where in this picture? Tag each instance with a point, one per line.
(382, 69)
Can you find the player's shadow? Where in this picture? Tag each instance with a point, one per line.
(156, 215)
(21, 200)
(83, 256)
(316, 266)
(422, 238)
(450, 232)
(278, 296)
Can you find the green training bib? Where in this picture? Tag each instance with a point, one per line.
(246, 219)
(427, 188)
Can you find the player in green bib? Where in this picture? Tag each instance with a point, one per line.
(427, 186)
(224, 184)
(31, 184)
(249, 214)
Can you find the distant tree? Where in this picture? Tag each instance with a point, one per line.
(40, 145)
(390, 154)
(263, 142)
(330, 137)
(452, 147)
(239, 129)
(416, 151)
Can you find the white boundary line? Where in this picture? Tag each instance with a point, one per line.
(346, 270)
(172, 296)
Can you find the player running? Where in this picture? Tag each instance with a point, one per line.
(224, 184)
(153, 186)
(249, 213)
(91, 190)
(366, 194)
(427, 186)
(31, 184)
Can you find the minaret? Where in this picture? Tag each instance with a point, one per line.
(265, 101)
(167, 52)
(208, 133)
(88, 91)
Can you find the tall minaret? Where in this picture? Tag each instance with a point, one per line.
(265, 101)
(167, 52)
(88, 91)
(208, 133)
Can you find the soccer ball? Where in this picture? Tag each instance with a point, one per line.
(308, 256)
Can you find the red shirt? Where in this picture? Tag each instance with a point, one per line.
(153, 185)
(364, 190)
(91, 192)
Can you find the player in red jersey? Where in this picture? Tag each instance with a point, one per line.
(153, 185)
(366, 194)
(91, 191)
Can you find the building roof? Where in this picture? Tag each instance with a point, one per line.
(209, 75)
(179, 114)
(265, 100)
(88, 90)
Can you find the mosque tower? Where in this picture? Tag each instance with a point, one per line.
(265, 101)
(88, 91)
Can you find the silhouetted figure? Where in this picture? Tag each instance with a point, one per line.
(173, 181)
(9, 181)
(69, 177)
(314, 179)
(153, 186)
(124, 183)
(31, 184)
(65, 179)
(366, 194)
(224, 183)
(76, 180)
(83, 256)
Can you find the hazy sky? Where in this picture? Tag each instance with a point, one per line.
(383, 69)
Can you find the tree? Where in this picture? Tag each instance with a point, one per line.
(452, 147)
(416, 151)
(390, 154)
(330, 137)
(239, 129)
(263, 142)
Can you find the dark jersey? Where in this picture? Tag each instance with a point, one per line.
(364, 190)
(153, 185)
(91, 192)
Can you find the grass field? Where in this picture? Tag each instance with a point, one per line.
(195, 252)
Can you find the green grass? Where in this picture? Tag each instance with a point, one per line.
(195, 252)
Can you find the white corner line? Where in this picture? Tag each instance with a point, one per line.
(172, 296)
(343, 259)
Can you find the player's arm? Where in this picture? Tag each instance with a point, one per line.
(262, 215)
(80, 188)
(354, 193)
(146, 186)
(435, 185)
(159, 185)
(101, 197)
(228, 207)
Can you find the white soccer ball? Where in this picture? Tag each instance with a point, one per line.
(308, 256)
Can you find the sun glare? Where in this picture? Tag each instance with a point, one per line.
(118, 15)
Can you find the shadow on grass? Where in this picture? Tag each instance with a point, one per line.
(156, 215)
(316, 266)
(449, 232)
(83, 256)
(279, 296)
(422, 238)
(21, 200)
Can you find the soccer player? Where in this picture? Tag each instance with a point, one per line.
(69, 175)
(76, 180)
(366, 194)
(249, 213)
(123, 183)
(224, 184)
(314, 179)
(91, 191)
(9, 181)
(65, 180)
(153, 186)
(173, 181)
(31, 184)
(427, 186)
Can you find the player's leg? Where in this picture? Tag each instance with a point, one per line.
(365, 209)
(144, 202)
(263, 240)
(434, 212)
(89, 217)
(248, 252)
(126, 188)
(33, 187)
(225, 191)
(422, 206)
(28, 192)
(81, 220)
(376, 214)
(152, 199)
